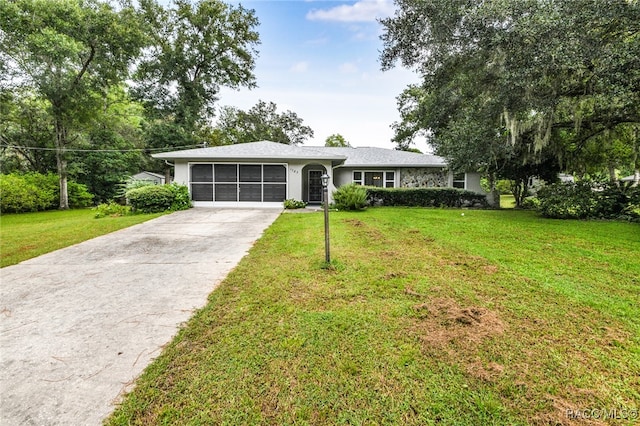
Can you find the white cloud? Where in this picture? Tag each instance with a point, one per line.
(361, 11)
(299, 67)
(348, 68)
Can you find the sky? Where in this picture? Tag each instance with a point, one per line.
(320, 59)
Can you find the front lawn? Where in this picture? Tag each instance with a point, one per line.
(427, 317)
(27, 235)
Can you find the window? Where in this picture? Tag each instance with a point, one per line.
(238, 182)
(459, 180)
(380, 179)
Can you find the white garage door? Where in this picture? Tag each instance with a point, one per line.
(234, 183)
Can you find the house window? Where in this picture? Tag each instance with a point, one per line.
(459, 181)
(381, 179)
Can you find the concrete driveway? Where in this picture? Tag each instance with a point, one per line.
(78, 325)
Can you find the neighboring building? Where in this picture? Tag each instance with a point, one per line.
(264, 174)
(155, 178)
(628, 179)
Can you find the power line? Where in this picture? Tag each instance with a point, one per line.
(37, 148)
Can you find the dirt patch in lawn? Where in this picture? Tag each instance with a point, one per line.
(360, 228)
(443, 322)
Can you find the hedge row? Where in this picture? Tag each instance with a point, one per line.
(425, 197)
(583, 200)
(32, 192)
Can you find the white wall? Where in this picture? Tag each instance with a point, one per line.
(181, 172)
(473, 182)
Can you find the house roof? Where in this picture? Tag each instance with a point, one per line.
(382, 157)
(144, 174)
(345, 157)
(262, 150)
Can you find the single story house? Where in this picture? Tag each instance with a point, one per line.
(155, 178)
(264, 174)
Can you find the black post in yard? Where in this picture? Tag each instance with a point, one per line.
(325, 194)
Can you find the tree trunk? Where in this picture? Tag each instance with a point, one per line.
(516, 190)
(62, 164)
(494, 194)
(636, 161)
(613, 179)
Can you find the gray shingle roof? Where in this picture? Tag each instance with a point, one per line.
(266, 150)
(377, 157)
(262, 150)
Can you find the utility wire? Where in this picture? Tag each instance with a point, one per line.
(37, 148)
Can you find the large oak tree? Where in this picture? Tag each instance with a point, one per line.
(69, 53)
(508, 85)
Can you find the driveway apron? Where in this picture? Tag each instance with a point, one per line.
(78, 325)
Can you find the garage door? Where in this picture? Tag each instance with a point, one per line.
(230, 182)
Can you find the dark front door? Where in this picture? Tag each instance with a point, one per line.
(315, 186)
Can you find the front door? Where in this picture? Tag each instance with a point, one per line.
(315, 186)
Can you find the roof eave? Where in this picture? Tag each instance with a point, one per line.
(379, 165)
(246, 158)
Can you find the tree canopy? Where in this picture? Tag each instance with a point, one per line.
(261, 122)
(336, 140)
(78, 76)
(195, 49)
(510, 84)
(68, 53)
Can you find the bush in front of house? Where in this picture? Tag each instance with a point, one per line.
(31, 192)
(111, 209)
(158, 198)
(425, 197)
(292, 203)
(350, 197)
(584, 200)
(181, 197)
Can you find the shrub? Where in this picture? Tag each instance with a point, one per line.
(150, 199)
(292, 203)
(181, 197)
(159, 198)
(111, 209)
(583, 200)
(32, 192)
(17, 195)
(350, 197)
(122, 188)
(530, 203)
(425, 197)
(79, 196)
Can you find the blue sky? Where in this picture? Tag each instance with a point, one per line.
(319, 59)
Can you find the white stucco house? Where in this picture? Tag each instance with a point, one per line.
(264, 174)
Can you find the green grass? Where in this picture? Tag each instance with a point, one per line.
(27, 235)
(423, 317)
(507, 201)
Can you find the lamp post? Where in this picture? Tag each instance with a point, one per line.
(325, 195)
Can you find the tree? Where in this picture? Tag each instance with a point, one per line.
(196, 49)
(112, 146)
(336, 140)
(512, 84)
(262, 122)
(69, 53)
(26, 133)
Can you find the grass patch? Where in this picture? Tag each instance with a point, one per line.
(507, 201)
(27, 235)
(424, 317)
